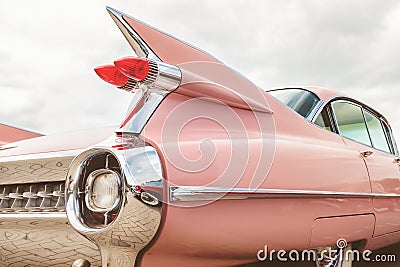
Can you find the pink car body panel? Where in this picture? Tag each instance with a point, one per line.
(9, 134)
(262, 221)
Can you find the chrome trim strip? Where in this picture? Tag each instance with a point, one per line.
(314, 111)
(199, 193)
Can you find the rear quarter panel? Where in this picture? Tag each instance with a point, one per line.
(212, 151)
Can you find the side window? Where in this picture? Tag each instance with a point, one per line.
(301, 101)
(350, 122)
(377, 132)
(323, 120)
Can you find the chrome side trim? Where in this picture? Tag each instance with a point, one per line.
(199, 193)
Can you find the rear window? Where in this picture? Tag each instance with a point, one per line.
(301, 101)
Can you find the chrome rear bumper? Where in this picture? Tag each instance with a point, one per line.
(35, 229)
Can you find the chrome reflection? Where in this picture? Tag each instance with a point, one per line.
(35, 168)
(43, 239)
(163, 76)
(79, 209)
(143, 105)
(138, 217)
(35, 197)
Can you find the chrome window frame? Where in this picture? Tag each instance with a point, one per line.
(332, 120)
(389, 135)
(390, 139)
(363, 115)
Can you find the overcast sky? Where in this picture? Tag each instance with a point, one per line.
(48, 50)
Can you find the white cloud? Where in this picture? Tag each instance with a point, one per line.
(49, 49)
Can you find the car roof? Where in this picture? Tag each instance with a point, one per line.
(327, 94)
(324, 94)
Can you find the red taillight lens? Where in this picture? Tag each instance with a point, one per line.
(135, 68)
(137, 188)
(112, 75)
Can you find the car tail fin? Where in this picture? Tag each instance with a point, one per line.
(151, 43)
(165, 64)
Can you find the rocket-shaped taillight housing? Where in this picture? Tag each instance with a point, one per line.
(129, 72)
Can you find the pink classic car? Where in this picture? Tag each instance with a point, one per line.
(206, 169)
